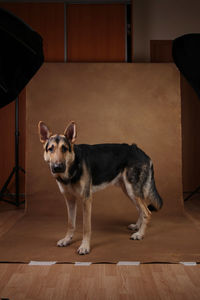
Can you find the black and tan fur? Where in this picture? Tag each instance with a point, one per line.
(81, 170)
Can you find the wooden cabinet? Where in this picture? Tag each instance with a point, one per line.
(96, 33)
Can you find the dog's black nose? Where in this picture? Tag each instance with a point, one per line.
(58, 168)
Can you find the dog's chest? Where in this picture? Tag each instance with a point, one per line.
(71, 189)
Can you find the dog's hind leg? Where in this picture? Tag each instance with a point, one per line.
(136, 226)
(144, 219)
(144, 213)
(127, 189)
(71, 208)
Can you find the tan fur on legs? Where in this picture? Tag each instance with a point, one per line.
(128, 190)
(135, 226)
(85, 245)
(145, 217)
(144, 212)
(71, 208)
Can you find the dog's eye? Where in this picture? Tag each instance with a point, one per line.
(51, 148)
(64, 149)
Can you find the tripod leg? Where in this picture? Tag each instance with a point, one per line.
(4, 188)
(17, 168)
(192, 194)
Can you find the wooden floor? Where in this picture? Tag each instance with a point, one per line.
(101, 281)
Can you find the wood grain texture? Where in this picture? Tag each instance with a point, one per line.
(96, 33)
(132, 31)
(7, 135)
(161, 51)
(99, 282)
(22, 137)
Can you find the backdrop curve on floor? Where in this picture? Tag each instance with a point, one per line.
(111, 103)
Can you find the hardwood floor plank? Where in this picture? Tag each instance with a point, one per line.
(70, 282)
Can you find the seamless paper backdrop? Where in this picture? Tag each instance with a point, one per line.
(132, 103)
(111, 103)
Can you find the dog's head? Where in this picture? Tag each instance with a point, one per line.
(58, 148)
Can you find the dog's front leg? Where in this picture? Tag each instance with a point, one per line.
(87, 207)
(71, 208)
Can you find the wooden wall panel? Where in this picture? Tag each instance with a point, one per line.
(161, 51)
(7, 137)
(22, 137)
(96, 33)
(132, 31)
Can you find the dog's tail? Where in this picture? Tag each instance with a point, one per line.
(156, 201)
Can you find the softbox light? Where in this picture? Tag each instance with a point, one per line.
(186, 56)
(21, 55)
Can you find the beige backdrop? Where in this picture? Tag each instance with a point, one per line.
(111, 103)
(132, 103)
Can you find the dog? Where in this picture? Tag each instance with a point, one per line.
(80, 170)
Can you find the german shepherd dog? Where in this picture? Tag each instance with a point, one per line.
(81, 170)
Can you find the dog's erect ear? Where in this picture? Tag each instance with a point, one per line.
(70, 132)
(44, 132)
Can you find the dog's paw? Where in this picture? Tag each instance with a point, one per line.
(83, 249)
(133, 227)
(137, 236)
(64, 242)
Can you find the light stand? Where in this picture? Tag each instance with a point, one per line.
(4, 193)
(21, 55)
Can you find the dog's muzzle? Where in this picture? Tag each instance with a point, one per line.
(58, 168)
